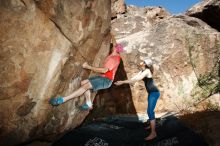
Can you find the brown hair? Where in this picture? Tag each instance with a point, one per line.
(151, 68)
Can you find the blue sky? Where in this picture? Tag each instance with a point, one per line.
(173, 6)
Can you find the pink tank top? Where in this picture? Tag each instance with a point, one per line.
(111, 62)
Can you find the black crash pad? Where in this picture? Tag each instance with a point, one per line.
(126, 131)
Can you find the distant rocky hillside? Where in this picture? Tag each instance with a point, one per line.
(117, 7)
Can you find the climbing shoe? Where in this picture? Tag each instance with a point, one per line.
(56, 101)
(86, 107)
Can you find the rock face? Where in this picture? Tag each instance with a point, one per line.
(185, 51)
(118, 7)
(208, 11)
(44, 43)
(42, 47)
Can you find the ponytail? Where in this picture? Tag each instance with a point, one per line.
(151, 68)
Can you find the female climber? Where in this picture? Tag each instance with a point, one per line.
(146, 75)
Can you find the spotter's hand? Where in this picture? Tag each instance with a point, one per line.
(118, 83)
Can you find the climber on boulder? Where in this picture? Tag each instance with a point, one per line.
(95, 83)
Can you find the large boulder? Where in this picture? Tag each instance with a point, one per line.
(185, 51)
(208, 11)
(42, 47)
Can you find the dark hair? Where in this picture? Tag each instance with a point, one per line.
(151, 68)
(111, 48)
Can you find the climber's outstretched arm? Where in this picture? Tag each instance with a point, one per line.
(95, 69)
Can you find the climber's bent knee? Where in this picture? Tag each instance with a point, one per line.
(87, 86)
(84, 82)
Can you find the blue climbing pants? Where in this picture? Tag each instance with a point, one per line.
(152, 101)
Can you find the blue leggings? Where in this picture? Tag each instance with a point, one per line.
(152, 101)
